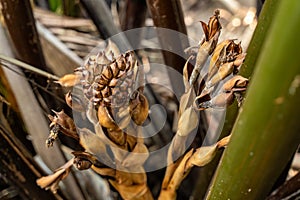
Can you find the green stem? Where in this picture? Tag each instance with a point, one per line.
(266, 133)
(264, 22)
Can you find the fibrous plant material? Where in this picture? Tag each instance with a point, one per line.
(112, 99)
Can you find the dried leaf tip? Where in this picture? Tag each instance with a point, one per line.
(61, 122)
(213, 26)
(68, 80)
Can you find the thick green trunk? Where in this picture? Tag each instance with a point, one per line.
(266, 133)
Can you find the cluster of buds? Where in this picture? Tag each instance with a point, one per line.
(222, 82)
(215, 89)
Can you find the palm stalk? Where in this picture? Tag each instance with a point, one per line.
(266, 133)
(265, 20)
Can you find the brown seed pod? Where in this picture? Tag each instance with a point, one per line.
(105, 118)
(84, 160)
(139, 108)
(222, 73)
(108, 73)
(82, 164)
(235, 82)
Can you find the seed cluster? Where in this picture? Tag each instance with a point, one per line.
(106, 81)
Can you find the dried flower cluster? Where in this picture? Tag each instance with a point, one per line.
(113, 101)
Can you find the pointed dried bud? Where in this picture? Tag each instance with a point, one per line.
(213, 26)
(61, 122)
(203, 155)
(216, 57)
(68, 80)
(222, 73)
(238, 62)
(236, 83)
(102, 59)
(222, 100)
(83, 160)
(226, 51)
(112, 48)
(186, 68)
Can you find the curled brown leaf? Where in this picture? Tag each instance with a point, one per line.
(51, 181)
(61, 122)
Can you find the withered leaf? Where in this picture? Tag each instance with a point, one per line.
(186, 100)
(51, 181)
(136, 177)
(180, 172)
(93, 144)
(188, 121)
(61, 122)
(131, 177)
(177, 148)
(169, 173)
(118, 137)
(222, 100)
(64, 120)
(186, 74)
(203, 155)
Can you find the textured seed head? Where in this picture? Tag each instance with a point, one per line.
(103, 79)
